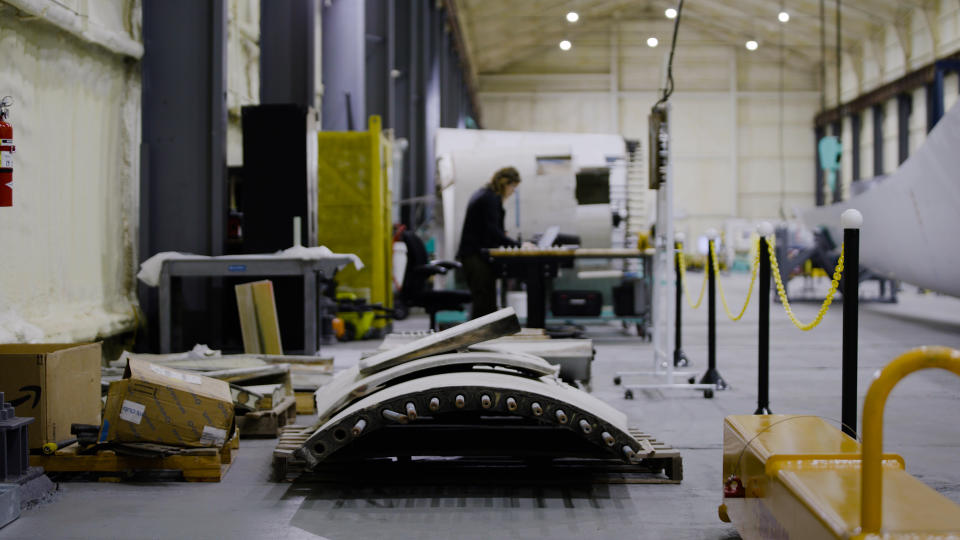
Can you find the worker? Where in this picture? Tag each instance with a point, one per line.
(483, 229)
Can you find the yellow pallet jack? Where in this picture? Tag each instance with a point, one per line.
(796, 476)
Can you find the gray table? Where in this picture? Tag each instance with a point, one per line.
(312, 271)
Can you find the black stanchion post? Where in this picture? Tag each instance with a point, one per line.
(712, 376)
(763, 338)
(679, 357)
(851, 220)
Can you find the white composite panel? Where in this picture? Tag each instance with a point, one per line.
(542, 199)
(537, 202)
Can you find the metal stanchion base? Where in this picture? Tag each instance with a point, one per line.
(680, 358)
(712, 376)
(668, 384)
(762, 410)
(620, 375)
(707, 389)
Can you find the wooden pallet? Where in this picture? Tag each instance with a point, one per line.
(663, 465)
(305, 402)
(189, 464)
(268, 423)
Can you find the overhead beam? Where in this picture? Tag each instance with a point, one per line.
(909, 82)
(735, 34)
(495, 58)
(854, 31)
(545, 34)
(461, 45)
(849, 10)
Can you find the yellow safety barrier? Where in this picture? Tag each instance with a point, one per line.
(806, 479)
(782, 292)
(873, 406)
(683, 279)
(753, 278)
(775, 271)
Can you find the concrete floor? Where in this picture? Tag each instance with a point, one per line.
(805, 379)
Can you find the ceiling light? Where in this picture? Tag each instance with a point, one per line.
(752, 45)
(670, 13)
(565, 45)
(573, 16)
(783, 16)
(652, 42)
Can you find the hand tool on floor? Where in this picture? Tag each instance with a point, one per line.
(51, 448)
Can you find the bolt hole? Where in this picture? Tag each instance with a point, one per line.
(339, 434)
(319, 448)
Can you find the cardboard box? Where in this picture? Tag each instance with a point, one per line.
(57, 384)
(154, 403)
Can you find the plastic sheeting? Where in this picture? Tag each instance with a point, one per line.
(150, 269)
(912, 218)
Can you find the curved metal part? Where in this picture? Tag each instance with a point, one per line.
(350, 384)
(574, 356)
(608, 435)
(497, 324)
(548, 349)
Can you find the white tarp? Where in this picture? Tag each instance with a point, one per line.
(911, 220)
(150, 269)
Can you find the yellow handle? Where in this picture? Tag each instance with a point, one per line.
(681, 261)
(871, 489)
(782, 291)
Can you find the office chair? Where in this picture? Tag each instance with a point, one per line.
(417, 289)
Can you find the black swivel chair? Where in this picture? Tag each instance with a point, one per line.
(417, 291)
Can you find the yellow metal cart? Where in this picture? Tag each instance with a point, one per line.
(353, 212)
(795, 476)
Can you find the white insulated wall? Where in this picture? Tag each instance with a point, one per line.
(243, 70)
(68, 243)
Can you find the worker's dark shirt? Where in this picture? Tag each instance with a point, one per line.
(483, 224)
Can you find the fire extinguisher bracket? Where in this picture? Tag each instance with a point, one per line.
(6, 153)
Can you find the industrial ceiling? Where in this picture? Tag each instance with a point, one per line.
(499, 33)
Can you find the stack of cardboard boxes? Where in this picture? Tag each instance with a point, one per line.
(59, 385)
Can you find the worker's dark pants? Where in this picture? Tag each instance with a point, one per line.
(482, 282)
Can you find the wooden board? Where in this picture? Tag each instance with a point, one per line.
(193, 464)
(663, 466)
(305, 402)
(268, 423)
(248, 318)
(267, 320)
(273, 394)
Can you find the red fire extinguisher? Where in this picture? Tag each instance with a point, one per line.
(6, 153)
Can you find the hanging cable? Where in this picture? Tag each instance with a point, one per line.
(783, 166)
(668, 88)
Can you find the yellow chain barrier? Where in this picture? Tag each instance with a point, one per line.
(683, 279)
(753, 277)
(781, 290)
